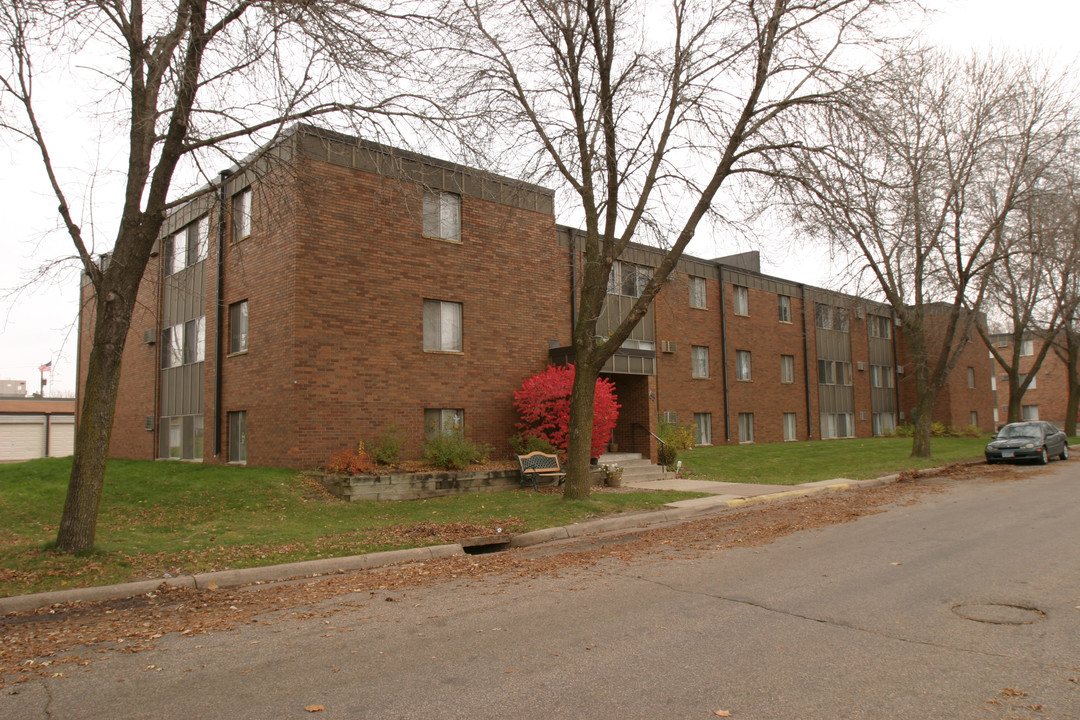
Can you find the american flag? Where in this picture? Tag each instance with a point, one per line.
(47, 367)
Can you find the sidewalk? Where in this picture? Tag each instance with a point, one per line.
(723, 496)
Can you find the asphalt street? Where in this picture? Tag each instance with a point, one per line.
(962, 604)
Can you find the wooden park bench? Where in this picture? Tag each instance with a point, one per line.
(540, 465)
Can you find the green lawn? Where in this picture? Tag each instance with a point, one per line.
(794, 463)
(177, 518)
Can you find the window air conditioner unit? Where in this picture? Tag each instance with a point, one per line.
(149, 423)
(899, 369)
(896, 322)
(861, 365)
(668, 346)
(149, 337)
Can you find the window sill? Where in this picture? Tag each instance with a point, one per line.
(452, 241)
(699, 377)
(444, 352)
(698, 307)
(784, 322)
(238, 353)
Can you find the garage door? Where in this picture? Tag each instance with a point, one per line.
(61, 436)
(23, 440)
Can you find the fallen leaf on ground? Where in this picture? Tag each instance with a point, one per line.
(314, 708)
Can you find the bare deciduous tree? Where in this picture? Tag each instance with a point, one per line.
(184, 82)
(916, 177)
(641, 113)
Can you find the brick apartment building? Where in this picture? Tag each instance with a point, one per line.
(341, 287)
(1046, 397)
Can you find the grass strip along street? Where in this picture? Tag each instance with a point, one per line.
(162, 519)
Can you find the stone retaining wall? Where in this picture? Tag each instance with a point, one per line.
(417, 486)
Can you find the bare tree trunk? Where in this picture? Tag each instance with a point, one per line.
(78, 524)
(579, 444)
(1072, 365)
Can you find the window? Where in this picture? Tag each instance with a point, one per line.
(195, 340)
(241, 214)
(834, 372)
(699, 358)
(787, 368)
(742, 300)
(238, 327)
(172, 346)
(837, 425)
(176, 439)
(628, 279)
(187, 246)
(442, 215)
(880, 326)
(670, 417)
(440, 422)
(993, 383)
(883, 423)
(697, 292)
(784, 308)
(1023, 376)
(827, 317)
(746, 427)
(442, 326)
(238, 436)
(974, 418)
(881, 376)
(1030, 412)
(703, 428)
(823, 317)
(790, 429)
(1027, 347)
(742, 365)
(971, 377)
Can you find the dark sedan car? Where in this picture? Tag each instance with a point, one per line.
(1038, 441)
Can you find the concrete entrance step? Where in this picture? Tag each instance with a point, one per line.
(635, 468)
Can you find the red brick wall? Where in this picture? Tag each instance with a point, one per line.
(1051, 391)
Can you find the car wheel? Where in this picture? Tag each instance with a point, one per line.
(1064, 452)
(1043, 456)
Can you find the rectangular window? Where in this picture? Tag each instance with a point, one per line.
(241, 215)
(746, 427)
(439, 422)
(787, 368)
(175, 256)
(837, 425)
(834, 372)
(172, 346)
(883, 423)
(974, 418)
(195, 340)
(238, 327)
(790, 427)
(699, 358)
(442, 326)
(971, 377)
(703, 428)
(197, 437)
(823, 316)
(742, 365)
(784, 308)
(176, 438)
(828, 317)
(1027, 347)
(670, 417)
(697, 292)
(628, 279)
(881, 376)
(1023, 376)
(1030, 412)
(442, 215)
(993, 383)
(880, 326)
(238, 436)
(742, 300)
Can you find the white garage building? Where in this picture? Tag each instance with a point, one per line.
(33, 428)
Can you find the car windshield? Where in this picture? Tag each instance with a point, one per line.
(1017, 431)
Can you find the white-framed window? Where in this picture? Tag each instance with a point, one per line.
(241, 214)
(742, 299)
(442, 422)
(787, 368)
(1030, 412)
(238, 327)
(195, 340)
(1023, 376)
(186, 247)
(837, 425)
(442, 326)
(670, 416)
(697, 292)
(628, 279)
(881, 376)
(172, 346)
(742, 365)
(879, 326)
(703, 428)
(783, 308)
(442, 215)
(882, 423)
(176, 439)
(971, 377)
(1027, 347)
(238, 436)
(974, 420)
(993, 383)
(834, 372)
(828, 317)
(746, 427)
(997, 418)
(790, 427)
(699, 359)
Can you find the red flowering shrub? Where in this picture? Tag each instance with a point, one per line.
(544, 405)
(352, 462)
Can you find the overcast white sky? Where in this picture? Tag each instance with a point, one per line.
(37, 325)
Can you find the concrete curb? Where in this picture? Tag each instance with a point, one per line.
(330, 566)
